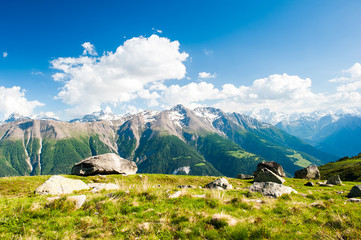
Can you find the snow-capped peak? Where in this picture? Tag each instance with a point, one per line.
(208, 113)
(15, 117)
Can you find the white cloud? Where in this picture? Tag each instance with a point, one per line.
(203, 75)
(157, 30)
(89, 49)
(351, 81)
(13, 100)
(207, 52)
(5, 54)
(38, 73)
(117, 77)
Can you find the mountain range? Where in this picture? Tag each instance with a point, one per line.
(203, 141)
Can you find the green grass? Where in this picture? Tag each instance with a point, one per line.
(300, 161)
(141, 210)
(349, 169)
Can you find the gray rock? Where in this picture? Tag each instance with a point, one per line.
(100, 186)
(56, 185)
(355, 191)
(79, 200)
(356, 200)
(334, 180)
(175, 195)
(272, 166)
(271, 189)
(109, 163)
(309, 184)
(220, 184)
(265, 175)
(310, 172)
(186, 186)
(245, 176)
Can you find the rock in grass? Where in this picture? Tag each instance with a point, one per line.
(355, 200)
(56, 185)
(175, 195)
(186, 186)
(310, 172)
(265, 175)
(334, 180)
(355, 191)
(245, 176)
(272, 166)
(219, 184)
(100, 186)
(79, 200)
(109, 163)
(309, 184)
(271, 189)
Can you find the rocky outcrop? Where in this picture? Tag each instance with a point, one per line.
(245, 176)
(219, 184)
(271, 189)
(60, 185)
(265, 175)
(310, 172)
(334, 180)
(355, 192)
(109, 163)
(272, 166)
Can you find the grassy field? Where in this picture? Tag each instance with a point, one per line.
(142, 209)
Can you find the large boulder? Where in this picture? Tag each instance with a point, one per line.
(272, 166)
(265, 175)
(220, 184)
(310, 172)
(56, 185)
(334, 180)
(355, 191)
(109, 163)
(271, 189)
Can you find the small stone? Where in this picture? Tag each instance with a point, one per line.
(355, 191)
(340, 192)
(56, 185)
(100, 186)
(186, 186)
(271, 189)
(175, 195)
(355, 200)
(156, 186)
(309, 184)
(334, 180)
(79, 200)
(219, 184)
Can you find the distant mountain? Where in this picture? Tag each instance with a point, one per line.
(204, 141)
(336, 134)
(349, 169)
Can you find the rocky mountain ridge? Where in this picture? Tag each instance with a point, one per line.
(204, 141)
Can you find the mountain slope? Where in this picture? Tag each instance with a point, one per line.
(204, 141)
(349, 169)
(336, 134)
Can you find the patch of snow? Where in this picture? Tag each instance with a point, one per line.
(176, 118)
(186, 169)
(210, 114)
(148, 115)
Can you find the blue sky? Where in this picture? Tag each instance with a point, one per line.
(236, 55)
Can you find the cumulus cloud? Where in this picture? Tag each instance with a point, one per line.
(13, 100)
(5, 54)
(203, 75)
(351, 79)
(117, 77)
(278, 92)
(89, 49)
